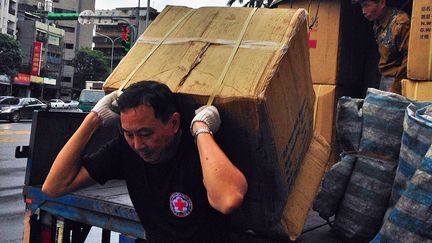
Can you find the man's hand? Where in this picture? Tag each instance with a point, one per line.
(103, 108)
(208, 115)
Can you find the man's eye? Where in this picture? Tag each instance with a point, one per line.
(144, 134)
(128, 135)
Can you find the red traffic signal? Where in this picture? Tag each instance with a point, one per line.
(126, 34)
(126, 39)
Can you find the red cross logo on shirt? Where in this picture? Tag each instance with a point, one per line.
(180, 204)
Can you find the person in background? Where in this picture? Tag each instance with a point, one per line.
(182, 186)
(391, 28)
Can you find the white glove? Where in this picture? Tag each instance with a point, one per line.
(209, 115)
(103, 108)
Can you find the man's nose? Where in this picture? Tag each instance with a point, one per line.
(139, 143)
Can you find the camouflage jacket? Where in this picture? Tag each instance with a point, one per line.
(392, 35)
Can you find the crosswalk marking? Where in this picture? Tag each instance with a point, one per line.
(11, 140)
(15, 132)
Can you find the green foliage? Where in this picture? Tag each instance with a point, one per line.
(10, 55)
(90, 65)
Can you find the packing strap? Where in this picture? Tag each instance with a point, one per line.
(219, 83)
(128, 78)
(317, 95)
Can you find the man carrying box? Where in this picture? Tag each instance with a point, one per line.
(391, 28)
(181, 190)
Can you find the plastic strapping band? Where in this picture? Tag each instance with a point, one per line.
(415, 89)
(231, 58)
(317, 95)
(126, 81)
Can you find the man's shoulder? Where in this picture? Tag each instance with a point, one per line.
(400, 17)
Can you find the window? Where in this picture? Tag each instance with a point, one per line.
(10, 101)
(69, 46)
(66, 79)
(68, 29)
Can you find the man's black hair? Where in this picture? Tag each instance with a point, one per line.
(152, 93)
(362, 1)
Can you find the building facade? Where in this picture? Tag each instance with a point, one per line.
(42, 48)
(8, 22)
(107, 37)
(8, 16)
(58, 63)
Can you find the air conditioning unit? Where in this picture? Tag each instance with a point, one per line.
(48, 5)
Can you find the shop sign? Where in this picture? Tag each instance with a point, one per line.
(22, 78)
(51, 81)
(37, 57)
(36, 79)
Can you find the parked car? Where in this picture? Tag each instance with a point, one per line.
(4, 97)
(73, 104)
(88, 98)
(57, 104)
(15, 109)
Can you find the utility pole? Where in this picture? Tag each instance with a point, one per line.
(137, 20)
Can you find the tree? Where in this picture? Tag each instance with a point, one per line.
(89, 65)
(10, 55)
(252, 3)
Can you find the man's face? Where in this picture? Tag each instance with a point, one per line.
(148, 136)
(372, 10)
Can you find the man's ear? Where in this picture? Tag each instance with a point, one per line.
(382, 3)
(175, 121)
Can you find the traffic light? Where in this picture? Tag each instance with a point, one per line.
(63, 16)
(126, 39)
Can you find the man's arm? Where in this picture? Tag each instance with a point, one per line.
(225, 183)
(67, 174)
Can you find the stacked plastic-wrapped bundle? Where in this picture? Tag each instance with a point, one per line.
(349, 127)
(410, 220)
(360, 210)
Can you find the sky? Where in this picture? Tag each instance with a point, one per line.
(158, 4)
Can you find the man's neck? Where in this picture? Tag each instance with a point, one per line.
(173, 148)
(383, 19)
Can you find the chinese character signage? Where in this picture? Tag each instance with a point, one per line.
(22, 78)
(37, 56)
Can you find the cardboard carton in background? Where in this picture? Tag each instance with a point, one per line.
(420, 42)
(417, 90)
(263, 91)
(324, 17)
(324, 109)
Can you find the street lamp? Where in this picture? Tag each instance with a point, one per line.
(112, 46)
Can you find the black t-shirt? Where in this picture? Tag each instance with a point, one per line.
(170, 199)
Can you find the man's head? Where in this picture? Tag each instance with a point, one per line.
(150, 120)
(372, 9)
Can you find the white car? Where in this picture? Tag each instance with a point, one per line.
(73, 104)
(57, 104)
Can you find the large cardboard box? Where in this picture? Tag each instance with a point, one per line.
(324, 21)
(324, 110)
(420, 42)
(417, 90)
(256, 64)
